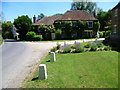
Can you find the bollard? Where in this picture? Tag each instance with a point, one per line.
(42, 72)
(52, 57)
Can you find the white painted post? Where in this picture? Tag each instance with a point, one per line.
(52, 57)
(42, 72)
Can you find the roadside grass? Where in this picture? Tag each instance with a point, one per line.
(78, 70)
(1, 39)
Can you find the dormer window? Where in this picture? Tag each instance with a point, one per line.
(90, 24)
(116, 12)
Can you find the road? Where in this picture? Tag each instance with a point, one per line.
(18, 58)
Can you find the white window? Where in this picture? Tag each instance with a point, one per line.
(116, 12)
(115, 29)
(90, 24)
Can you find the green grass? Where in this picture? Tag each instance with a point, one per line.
(1, 39)
(79, 70)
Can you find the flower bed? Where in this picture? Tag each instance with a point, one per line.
(78, 47)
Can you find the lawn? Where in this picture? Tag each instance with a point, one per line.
(1, 40)
(78, 70)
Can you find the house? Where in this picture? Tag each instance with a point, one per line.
(71, 15)
(115, 35)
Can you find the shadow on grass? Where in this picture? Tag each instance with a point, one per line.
(48, 61)
(35, 78)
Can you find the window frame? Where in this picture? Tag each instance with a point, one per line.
(90, 25)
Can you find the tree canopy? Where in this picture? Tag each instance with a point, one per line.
(40, 16)
(23, 24)
(85, 5)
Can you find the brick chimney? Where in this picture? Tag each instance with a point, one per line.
(34, 19)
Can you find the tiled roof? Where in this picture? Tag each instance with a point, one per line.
(72, 15)
(47, 20)
(77, 15)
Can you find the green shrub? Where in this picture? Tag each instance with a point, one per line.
(37, 38)
(101, 34)
(100, 45)
(88, 45)
(107, 34)
(53, 49)
(79, 48)
(58, 33)
(30, 35)
(107, 48)
(94, 47)
(67, 49)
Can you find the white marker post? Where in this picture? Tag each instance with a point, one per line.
(52, 57)
(42, 72)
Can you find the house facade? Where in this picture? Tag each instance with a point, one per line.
(71, 15)
(115, 34)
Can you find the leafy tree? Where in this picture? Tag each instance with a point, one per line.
(96, 26)
(58, 14)
(40, 16)
(105, 20)
(23, 24)
(85, 5)
(6, 30)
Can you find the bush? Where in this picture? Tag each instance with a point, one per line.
(37, 38)
(58, 33)
(94, 47)
(67, 49)
(101, 34)
(100, 45)
(88, 45)
(107, 34)
(53, 49)
(107, 48)
(31, 36)
(79, 48)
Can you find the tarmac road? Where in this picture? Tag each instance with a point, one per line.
(18, 58)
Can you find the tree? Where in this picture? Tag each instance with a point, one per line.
(104, 19)
(40, 16)
(86, 5)
(6, 30)
(23, 24)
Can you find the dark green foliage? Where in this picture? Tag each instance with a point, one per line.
(6, 30)
(53, 49)
(58, 34)
(79, 48)
(100, 45)
(31, 36)
(107, 34)
(101, 34)
(94, 47)
(104, 19)
(37, 38)
(96, 26)
(40, 16)
(67, 49)
(23, 24)
(88, 45)
(107, 48)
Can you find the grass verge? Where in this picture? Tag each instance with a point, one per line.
(1, 39)
(79, 70)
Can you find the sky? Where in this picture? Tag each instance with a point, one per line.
(11, 10)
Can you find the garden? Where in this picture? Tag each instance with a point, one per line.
(78, 65)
